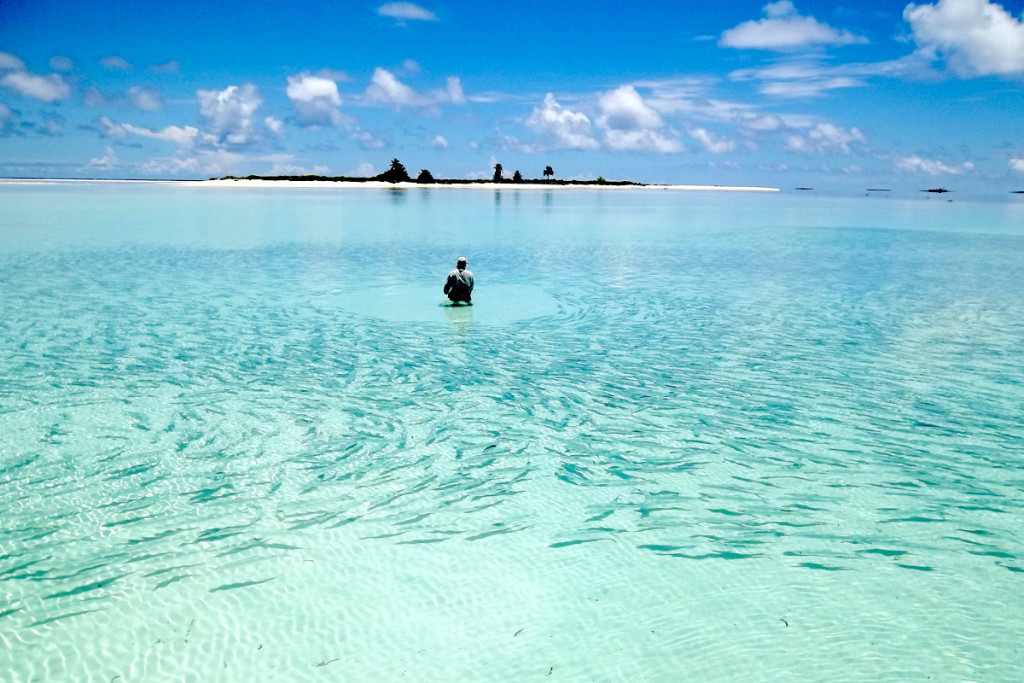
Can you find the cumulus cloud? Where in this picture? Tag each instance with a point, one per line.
(439, 142)
(115, 63)
(229, 112)
(44, 88)
(624, 108)
(107, 162)
(629, 124)
(385, 88)
(711, 142)
(405, 11)
(148, 99)
(933, 167)
(9, 62)
(275, 126)
(784, 29)
(561, 128)
(975, 37)
(58, 63)
(825, 137)
(1017, 164)
(316, 100)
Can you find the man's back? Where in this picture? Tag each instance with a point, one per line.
(459, 285)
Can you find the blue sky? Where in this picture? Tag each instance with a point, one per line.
(847, 96)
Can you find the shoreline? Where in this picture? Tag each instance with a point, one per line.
(378, 184)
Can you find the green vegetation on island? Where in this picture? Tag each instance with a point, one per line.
(397, 173)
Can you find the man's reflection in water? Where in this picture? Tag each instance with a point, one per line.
(460, 317)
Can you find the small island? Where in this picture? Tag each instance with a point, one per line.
(397, 174)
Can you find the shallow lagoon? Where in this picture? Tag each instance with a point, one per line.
(679, 436)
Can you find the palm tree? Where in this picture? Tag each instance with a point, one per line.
(497, 173)
(517, 177)
(395, 174)
(549, 172)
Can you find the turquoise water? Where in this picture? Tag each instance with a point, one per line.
(680, 436)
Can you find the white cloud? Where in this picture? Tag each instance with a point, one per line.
(275, 126)
(1017, 164)
(364, 170)
(230, 111)
(284, 164)
(808, 88)
(933, 167)
(45, 88)
(109, 129)
(316, 100)
(825, 137)
(411, 66)
(368, 140)
(784, 29)
(385, 88)
(641, 141)
(454, 89)
(711, 142)
(631, 125)
(58, 63)
(439, 142)
(170, 67)
(810, 76)
(184, 137)
(975, 37)
(106, 162)
(623, 108)
(115, 63)
(148, 99)
(207, 162)
(561, 128)
(405, 11)
(9, 62)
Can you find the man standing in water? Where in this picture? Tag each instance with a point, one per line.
(459, 286)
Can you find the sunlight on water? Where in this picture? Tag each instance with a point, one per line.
(677, 436)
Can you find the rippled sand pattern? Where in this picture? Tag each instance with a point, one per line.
(709, 444)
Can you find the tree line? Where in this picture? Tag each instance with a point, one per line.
(397, 173)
